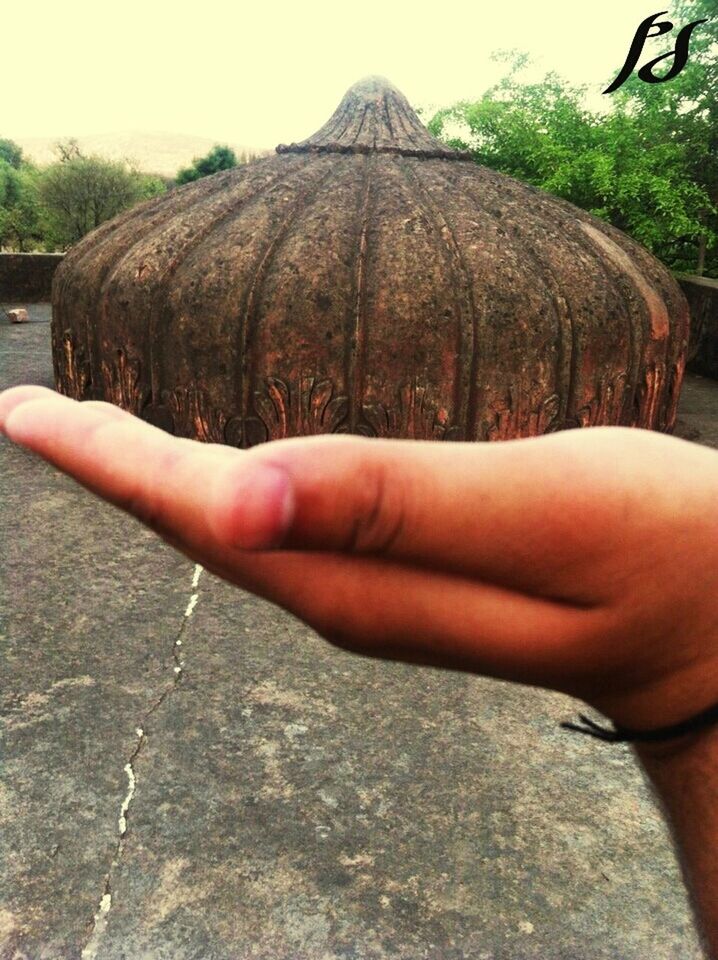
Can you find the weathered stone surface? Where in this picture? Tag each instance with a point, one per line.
(18, 315)
(288, 801)
(369, 280)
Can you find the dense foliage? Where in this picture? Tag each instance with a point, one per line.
(10, 153)
(51, 208)
(80, 193)
(648, 164)
(218, 158)
(19, 215)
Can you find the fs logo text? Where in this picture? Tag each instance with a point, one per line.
(679, 52)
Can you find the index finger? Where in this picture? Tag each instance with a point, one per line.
(537, 515)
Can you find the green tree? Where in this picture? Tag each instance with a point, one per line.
(647, 165)
(79, 193)
(684, 114)
(218, 158)
(20, 227)
(153, 184)
(10, 152)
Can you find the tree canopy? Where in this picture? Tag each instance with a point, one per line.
(218, 158)
(79, 193)
(19, 225)
(19, 222)
(648, 164)
(683, 114)
(10, 153)
(53, 207)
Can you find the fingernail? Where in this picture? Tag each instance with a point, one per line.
(16, 426)
(14, 397)
(254, 506)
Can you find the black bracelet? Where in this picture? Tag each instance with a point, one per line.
(624, 735)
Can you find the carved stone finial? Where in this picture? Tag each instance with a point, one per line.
(374, 117)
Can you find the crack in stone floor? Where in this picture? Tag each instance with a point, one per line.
(101, 917)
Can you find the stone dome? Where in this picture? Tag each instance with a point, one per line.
(368, 280)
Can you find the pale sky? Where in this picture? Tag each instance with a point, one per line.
(272, 71)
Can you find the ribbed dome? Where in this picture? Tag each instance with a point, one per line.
(368, 280)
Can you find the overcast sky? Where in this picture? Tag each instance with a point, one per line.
(272, 71)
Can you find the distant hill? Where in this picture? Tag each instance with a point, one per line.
(163, 153)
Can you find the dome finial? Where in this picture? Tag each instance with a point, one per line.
(374, 117)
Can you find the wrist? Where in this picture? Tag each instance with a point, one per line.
(684, 774)
(677, 706)
(685, 751)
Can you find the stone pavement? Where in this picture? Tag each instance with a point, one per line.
(187, 772)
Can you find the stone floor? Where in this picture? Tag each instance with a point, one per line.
(277, 798)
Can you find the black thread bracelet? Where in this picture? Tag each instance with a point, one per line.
(624, 735)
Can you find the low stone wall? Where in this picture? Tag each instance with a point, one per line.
(702, 295)
(27, 277)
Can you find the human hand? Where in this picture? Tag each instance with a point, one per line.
(585, 561)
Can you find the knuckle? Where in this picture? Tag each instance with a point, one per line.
(150, 501)
(145, 512)
(380, 512)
